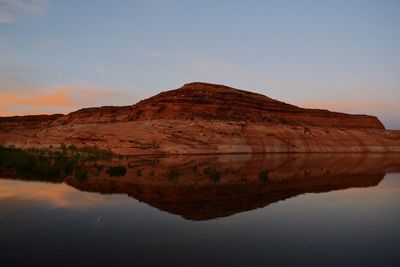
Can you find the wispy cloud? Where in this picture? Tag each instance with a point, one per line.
(36, 6)
(5, 17)
(20, 94)
(59, 98)
(11, 9)
(4, 113)
(101, 71)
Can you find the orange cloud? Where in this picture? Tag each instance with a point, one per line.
(62, 98)
(57, 98)
(4, 113)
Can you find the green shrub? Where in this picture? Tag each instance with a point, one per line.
(263, 176)
(117, 171)
(173, 175)
(50, 164)
(34, 163)
(80, 174)
(99, 168)
(195, 169)
(212, 173)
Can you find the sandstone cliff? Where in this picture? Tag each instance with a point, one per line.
(203, 118)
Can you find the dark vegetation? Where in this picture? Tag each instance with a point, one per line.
(195, 169)
(212, 173)
(173, 175)
(49, 164)
(87, 153)
(98, 167)
(80, 174)
(117, 170)
(263, 176)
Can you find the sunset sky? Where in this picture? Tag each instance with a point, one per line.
(59, 56)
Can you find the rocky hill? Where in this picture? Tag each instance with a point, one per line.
(203, 118)
(218, 102)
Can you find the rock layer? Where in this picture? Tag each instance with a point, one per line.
(204, 118)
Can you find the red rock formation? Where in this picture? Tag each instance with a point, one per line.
(204, 101)
(218, 102)
(27, 122)
(204, 118)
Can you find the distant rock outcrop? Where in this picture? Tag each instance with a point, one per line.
(203, 118)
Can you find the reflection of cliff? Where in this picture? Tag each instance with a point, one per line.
(179, 185)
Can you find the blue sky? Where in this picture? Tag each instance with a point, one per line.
(58, 56)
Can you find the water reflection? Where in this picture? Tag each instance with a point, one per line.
(208, 187)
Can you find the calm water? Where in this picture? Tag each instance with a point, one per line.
(248, 210)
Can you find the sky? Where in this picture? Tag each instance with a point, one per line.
(58, 56)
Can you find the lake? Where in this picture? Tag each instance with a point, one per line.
(219, 210)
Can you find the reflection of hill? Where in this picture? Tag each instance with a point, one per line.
(232, 183)
(178, 184)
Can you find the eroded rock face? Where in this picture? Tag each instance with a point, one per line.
(204, 118)
(21, 123)
(218, 102)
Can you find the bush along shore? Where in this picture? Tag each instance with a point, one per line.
(53, 164)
